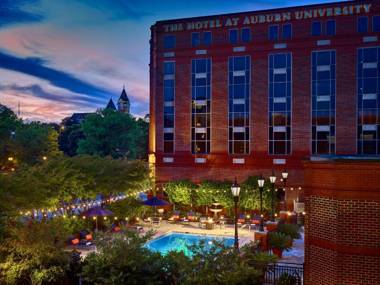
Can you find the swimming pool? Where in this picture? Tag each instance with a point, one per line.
(180, 242)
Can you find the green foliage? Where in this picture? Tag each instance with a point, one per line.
(127, 261)
(130, 208)
(115, 134)
(279, 240)
(184, 192)
(291, 230)
(67, 178)
(69, 139)
(123, 261)
(250, 194)
(181, 192)
(26, 143)
(214, 191)
(33, 254)
(287, 279)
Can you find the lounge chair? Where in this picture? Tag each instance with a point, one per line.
(174, 218)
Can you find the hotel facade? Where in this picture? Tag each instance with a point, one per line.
(296, 88)
(242, 94)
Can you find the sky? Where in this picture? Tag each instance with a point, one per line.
(58, 57)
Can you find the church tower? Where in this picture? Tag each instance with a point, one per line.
(123, 104)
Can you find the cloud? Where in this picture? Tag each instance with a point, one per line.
(36, 67)
(12, 12)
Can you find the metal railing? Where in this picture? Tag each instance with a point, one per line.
(292, 272)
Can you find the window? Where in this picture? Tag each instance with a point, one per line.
(376, 24)
(362, 24)
(233, 36)
(323, 102)
(280, 97)
(239, 74)
(316, 28)
(169, 41)
(201, 105)
(246, 35)
(287, 31)
(195, 39)
(330, 28)
(207, 38)
(273, 33)
(169, 90)
(368, 81)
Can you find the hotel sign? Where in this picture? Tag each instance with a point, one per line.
(269, 18)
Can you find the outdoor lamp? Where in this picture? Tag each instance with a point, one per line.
(261, 182)
(235, 189)
(272, 178)
(284, 175)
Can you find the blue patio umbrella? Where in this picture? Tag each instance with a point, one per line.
(154, 201)
(96, 212)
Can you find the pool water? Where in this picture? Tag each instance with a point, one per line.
(181, 241)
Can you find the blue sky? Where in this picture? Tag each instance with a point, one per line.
(63, 56)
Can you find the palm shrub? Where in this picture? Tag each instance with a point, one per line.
(290, 230)
(279, 240)
(286, 279)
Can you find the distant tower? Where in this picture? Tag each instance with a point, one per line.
(123, 104)
(111, 105)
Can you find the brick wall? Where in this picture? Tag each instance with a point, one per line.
(342, 229)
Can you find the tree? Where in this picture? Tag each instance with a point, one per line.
(115, 134)
(34, 254)
(250, 194)
(181, 192)
(66, 178)
(69, 139)
(8, 125)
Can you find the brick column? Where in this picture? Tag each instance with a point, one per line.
(342, 223)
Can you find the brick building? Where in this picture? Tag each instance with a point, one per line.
(241, 94)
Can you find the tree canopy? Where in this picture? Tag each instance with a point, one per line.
(115, 134)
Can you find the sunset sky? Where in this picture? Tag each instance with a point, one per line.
(63, 56)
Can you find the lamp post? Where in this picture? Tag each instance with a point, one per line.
(235, 189)
(284, 175)
(272, 180)
(261, 181)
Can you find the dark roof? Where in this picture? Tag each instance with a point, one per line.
(75, 119)
(111, 105)
(123, 96)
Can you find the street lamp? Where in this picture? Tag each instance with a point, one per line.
(261, 182)
(272, 180)
(235, 189)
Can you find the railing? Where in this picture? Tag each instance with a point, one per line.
(289, 271)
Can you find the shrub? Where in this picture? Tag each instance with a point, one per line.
(290, 230)
(279, 240)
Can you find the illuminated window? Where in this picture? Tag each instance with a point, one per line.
(169, 93)
(200, 105)
(239, 74)
(368, 82)
(323, 102)
(280, 97)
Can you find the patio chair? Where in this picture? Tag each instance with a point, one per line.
(202, 222)
(156, 221)
(174, 218)
(191, 216)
